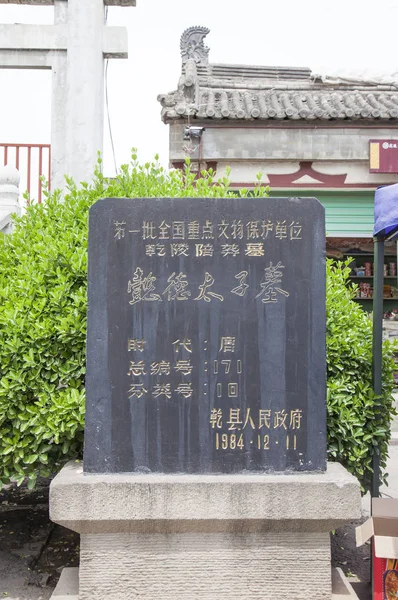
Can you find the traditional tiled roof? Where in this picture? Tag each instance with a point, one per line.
(218, 91)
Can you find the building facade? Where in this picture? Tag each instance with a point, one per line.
(308, 135)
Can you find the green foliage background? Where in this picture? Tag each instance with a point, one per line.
(43, 282)
(359, 423)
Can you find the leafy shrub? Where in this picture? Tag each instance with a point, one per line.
(358, 422)
(43, 281)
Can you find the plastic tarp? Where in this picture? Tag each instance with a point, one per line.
(360, 77)
(386, 210)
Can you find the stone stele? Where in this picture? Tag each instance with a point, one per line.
(164, 512)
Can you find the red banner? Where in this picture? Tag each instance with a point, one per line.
(383, 156)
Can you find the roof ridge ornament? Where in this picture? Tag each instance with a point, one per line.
(192, 45)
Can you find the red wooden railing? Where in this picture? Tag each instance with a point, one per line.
(32, 161)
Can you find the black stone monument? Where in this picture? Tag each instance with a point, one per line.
(206, 336)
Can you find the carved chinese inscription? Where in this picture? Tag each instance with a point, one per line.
(206, 336)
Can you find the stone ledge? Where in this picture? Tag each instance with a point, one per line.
(104, 503)
(67, 587)
(341, 587)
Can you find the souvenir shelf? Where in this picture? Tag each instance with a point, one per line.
(390, 298)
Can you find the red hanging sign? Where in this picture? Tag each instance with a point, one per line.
(383, 156)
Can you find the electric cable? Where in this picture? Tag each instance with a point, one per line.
(107, 104)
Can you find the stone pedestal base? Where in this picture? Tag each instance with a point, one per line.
(68, 586)
(208, 537)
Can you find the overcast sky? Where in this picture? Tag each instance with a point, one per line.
(327, 36)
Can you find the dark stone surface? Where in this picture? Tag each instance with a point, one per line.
(206, 345)
(13, 494)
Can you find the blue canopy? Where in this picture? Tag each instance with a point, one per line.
(386, 210)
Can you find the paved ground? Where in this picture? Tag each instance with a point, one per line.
(33, 551)
(355, 562)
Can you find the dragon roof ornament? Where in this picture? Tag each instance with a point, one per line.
(192, 45)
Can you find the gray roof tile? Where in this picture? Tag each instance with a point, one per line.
(280, 104)
(237, 92)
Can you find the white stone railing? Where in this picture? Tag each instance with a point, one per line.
(32, 161)
(9, 197)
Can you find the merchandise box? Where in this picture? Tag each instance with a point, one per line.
(383, 528)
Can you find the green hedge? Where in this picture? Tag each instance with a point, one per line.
(358, 422)
(43, 280)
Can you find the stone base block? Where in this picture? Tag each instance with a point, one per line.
(68, 585)
(179, 537)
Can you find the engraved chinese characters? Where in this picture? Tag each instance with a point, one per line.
(206, 336)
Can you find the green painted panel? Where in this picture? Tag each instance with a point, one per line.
(348, 214)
